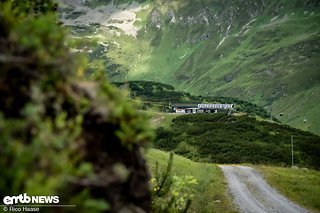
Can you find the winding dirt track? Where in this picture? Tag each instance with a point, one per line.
(251, 193)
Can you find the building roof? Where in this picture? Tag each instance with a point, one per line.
(215, 106)
(202, 106)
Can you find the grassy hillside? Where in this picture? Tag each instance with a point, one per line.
(219, 138)
(211, 190)
(266, 52)
(300, 185)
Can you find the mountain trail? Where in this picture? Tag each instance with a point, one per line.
(252, 194)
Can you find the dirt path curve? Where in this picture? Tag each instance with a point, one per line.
(251, 193)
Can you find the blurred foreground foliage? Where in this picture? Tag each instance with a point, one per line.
(59, 133)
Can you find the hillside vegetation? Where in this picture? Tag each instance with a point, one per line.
(265, 52)
(220, 138)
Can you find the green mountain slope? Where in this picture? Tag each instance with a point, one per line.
(266, 52)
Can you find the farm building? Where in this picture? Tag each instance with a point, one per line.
(201, 108)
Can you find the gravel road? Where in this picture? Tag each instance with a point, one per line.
(251, 193)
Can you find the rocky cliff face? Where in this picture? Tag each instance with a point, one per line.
(266, 52)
